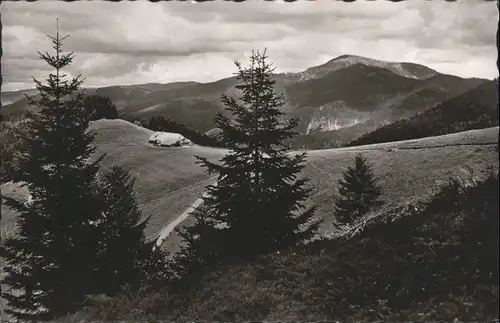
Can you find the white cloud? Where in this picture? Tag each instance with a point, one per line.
(139, 42)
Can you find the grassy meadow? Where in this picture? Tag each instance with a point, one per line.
(168, 180)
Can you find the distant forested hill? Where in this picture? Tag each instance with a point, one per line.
(474, 109)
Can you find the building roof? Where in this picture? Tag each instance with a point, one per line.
(168, 138)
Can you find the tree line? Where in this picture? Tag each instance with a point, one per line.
(160, 123)
(474, 109)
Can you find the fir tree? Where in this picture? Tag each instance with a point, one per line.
(51, 262)
(358, 190)
(201, 252)
(71, 231)
(125, 257)
(81, 233)
(257, 203)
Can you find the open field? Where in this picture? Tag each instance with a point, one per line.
(407, 170)
(404, 174)
(485, 136)
(169, 181)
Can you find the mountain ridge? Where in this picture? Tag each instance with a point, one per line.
(474, 109)
(343, 56)
(344, 92)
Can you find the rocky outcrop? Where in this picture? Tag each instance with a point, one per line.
(334, 116)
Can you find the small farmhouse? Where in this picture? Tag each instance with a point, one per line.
(169, 139)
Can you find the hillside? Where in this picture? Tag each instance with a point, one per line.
(169, 181)
(9, 97)
(474, 109)
(344, 92)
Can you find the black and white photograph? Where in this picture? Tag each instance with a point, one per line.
(237, 161)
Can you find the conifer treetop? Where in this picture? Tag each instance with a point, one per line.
(56, 87)
(82, 232)
(55, 228)
(257, 115)
(258, 202)
(358, 190)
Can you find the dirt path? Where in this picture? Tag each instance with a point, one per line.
(165, 232)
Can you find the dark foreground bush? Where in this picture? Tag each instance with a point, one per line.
(428, 261)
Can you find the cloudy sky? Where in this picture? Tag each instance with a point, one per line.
(140, 42)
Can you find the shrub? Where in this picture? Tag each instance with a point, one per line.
(358, 192)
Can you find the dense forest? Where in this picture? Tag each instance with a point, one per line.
(475, 109)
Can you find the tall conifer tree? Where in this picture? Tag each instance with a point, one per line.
(358, 192)
(81, 233)
(257, 204)
(125, 258)
(50, 264)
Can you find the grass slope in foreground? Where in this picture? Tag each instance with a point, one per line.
(432, 261)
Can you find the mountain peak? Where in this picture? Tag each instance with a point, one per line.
(345, 56)
(408, 70)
